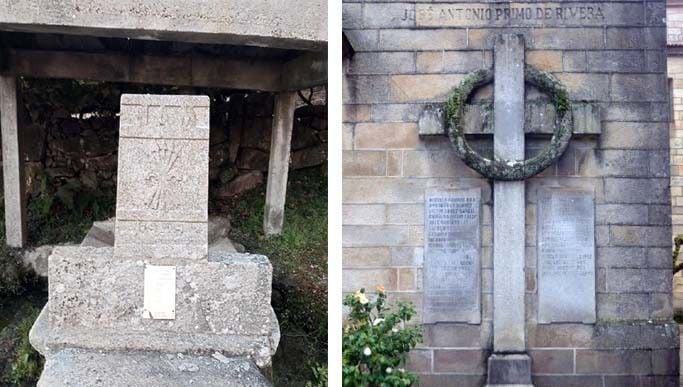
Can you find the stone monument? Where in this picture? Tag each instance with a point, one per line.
(159, 307)
(540, 257)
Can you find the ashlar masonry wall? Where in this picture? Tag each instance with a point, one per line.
(612, 54)
(675, 71)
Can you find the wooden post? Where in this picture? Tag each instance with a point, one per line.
(278, 165)
(12, 164)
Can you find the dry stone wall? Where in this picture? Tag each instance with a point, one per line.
(410, 54)
(79, 148)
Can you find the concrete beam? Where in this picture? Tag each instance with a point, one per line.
(12, 164)
(278, 166)
(304, 71)
(194, 70)
(289, 24)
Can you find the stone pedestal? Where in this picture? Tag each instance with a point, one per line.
(145, 299)
(87, 368)
(510, 370)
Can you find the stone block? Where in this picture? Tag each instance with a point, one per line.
(552, 361)
(574, 61)
(452, 335)
(95, 301)
(635, 38)
(86, 368)
(635, 135)
(163, 158)
(364, 163)
(665, 362)
(405, 214)
(513, 369)
(364, 214)
(652, 236)
(419, 360)
(622, 256)
(394, 163)
(550, 61)
(449, 61)
(639, 87)
(382, 63)
(351, 16)
(622, 214)
(365, 89)
(567, 381)
(363, 40)
(615, 306)
(638, 280)
(385, 136)
(432, 121)
(615, 61)
(422, 87)
(631, 362)
(366, 256)
(356, 113)
(567, 38)
(369, 279)
(459, 360)
(460, 380)
(586, 86)
(396, 112)
(635, 191)
(422, 40)
(388, 235)
(388, 15)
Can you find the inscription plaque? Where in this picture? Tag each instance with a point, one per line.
(452, 284)
(159, 292)
(566, 256)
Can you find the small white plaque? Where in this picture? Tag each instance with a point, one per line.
(159, 295)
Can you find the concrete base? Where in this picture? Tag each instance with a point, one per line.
(509, 370)
(86, 368)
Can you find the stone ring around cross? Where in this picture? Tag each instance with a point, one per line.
(501, 169)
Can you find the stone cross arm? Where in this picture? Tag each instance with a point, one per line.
(539, 118)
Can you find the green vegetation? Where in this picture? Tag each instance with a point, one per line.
(299, 258)
(376, 342)
(25, 364)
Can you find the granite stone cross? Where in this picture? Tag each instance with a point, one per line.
(509, 208)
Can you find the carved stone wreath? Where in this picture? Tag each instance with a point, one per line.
(501, 169)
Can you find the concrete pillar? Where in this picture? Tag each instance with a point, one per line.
(278, 166)
(12, 164)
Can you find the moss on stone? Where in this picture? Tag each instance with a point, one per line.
(497, 168)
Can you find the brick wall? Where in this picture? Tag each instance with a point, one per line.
(617, 62)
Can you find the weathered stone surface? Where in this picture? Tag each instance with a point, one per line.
(226, 299)
(163, 160)
(566, 256)
(240, 184)
(524, 14)
(86, 368)
(12, 171)
(509, 207)
(281, 23)
(452, 279)
(513, 369)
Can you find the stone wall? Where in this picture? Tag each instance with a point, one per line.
(79, 149)
(408, 55)
(675, 69)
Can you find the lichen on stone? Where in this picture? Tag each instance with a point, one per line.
(497, 168)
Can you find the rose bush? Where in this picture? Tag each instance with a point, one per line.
(377, 340)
